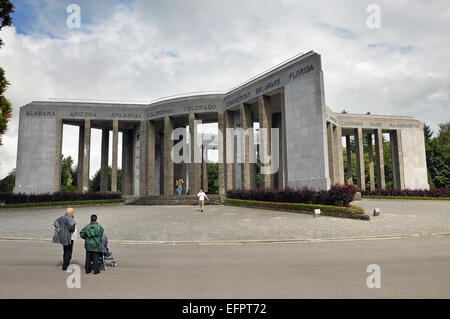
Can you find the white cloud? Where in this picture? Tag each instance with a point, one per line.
(141, 50)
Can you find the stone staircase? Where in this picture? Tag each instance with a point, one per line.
(175, 200)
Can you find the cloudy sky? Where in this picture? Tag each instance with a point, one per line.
(144, 50)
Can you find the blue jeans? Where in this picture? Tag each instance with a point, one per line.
(179, 190)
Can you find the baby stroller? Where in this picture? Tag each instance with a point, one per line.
(106, 254)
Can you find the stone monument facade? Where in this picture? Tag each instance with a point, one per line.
(308, 143)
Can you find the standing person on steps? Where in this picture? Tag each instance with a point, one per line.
(92, 234)
(201, 197)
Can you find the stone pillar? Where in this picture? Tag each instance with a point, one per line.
(169, 181)
(279, 125)
(229, 149)
(115, 152)
(283, 150)
(86, 155)
(151, 158)
(195, 157)
(397, 159)
(143, 151)
(339, 160)
(80, 159)
(246, 118)
(331, 164)
(265, 147)
(124, 162)
(380, 159)
(104, 174)
(222, 147)
(58, 156)
(349, 160)
(360, 159)
(205, 168)
(371, 164)
(128, 162)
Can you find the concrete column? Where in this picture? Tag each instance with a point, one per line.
(279, 124)
(128, 162)
(371, 164)
(380, 159)
(397, 159)
(265, 147)
(339, 160)
(283, 151)
(151, 158)
(331, 164)
(104, 174)
(360, 159)
(143, 151)
(246, 123)
(401, 171)
(222, 147)
(205, 168)
(115, 152)
(229, 149)
(58, 156)
(195, 157)
(86, 155)
(80, 159)
(124, 161)
(349, 160)
(169, 179)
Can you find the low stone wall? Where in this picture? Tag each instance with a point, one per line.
(353, 212)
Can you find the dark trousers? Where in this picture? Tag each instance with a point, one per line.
(92, 261)
(67, 255)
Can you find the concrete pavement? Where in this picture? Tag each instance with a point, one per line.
(225, 223)
(410, 268)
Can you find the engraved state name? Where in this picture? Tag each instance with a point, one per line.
(41, 113)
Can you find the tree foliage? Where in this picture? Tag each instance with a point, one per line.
(94, 183)
(6, 9)
(7, 183)
(438, 155)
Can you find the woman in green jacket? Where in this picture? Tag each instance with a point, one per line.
(92, 235)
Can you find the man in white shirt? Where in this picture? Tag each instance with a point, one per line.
(201, 197)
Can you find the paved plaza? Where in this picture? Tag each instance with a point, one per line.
(226, 223)
(411, 267)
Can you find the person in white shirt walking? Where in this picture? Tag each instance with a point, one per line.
(201, 197)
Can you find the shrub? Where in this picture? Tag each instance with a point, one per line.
(433, 192)
(19, 198)
(338, 195)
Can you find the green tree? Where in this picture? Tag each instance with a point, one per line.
(6, 9)
(438, 156)
(7, 183)
(213, 178)
(67, 173)
(94, 183)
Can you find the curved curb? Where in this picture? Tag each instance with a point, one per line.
(243, 242)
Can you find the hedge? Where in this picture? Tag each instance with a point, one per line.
(10, 198)
(64, 203)
(393, 192)
(354, 212)
(337, 195)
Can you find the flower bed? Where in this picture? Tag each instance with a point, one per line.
(353, 212)
(337, 195)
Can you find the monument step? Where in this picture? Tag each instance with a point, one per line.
(175, 200)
